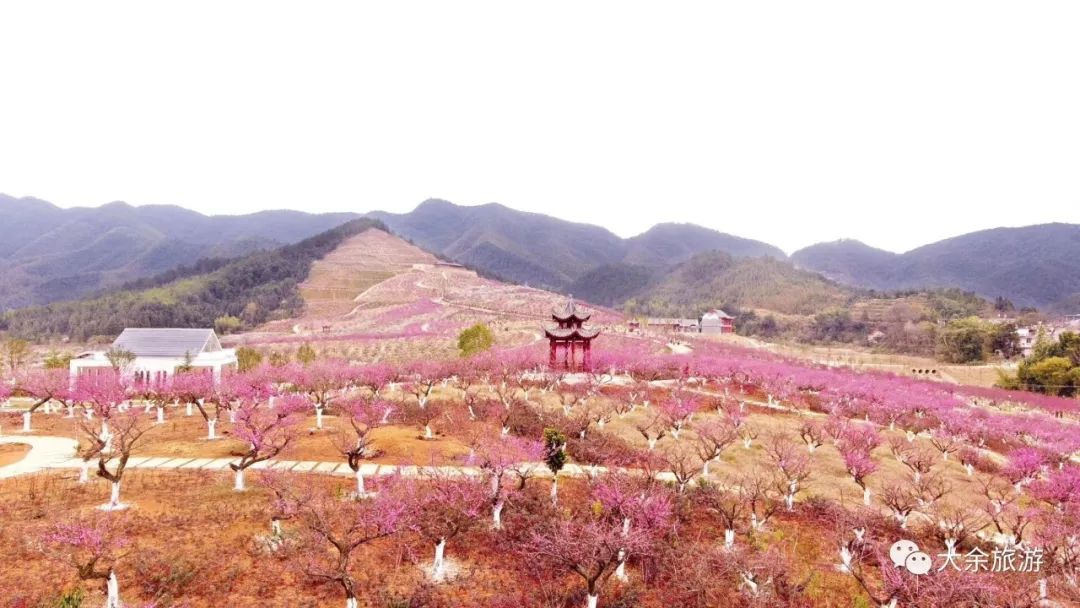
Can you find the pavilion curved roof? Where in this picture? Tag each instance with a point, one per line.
(569, 310)
(584, 333)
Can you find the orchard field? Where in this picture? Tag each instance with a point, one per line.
(719, 477)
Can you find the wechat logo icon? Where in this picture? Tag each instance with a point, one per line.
(905, 554)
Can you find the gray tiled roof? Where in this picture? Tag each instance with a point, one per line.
(167, 342)
(569, 310)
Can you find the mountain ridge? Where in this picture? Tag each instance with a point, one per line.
(52, 254)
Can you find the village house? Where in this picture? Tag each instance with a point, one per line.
(672, 324)
(158, 352)
(717, 321)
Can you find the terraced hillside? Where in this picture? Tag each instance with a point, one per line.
(376, 294)
(357, 264)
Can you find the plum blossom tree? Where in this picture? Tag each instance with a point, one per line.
(92, 545)
(329, 532)
(498, 458)
(728, 503)
(792, 466)
(813, 435)
(192, 389)
(712, 437)
(425, 416)
(1002, 507)
(45, 386)
(1024, 465)
(901, 501)
(423, 377)
(120, 432)
(265, 431)
(635, 503)
(354, 442)
(442, 506)
(759, 491)
(322, 381)
(677, 411)
(591, 543)
(859, 465)
(652, 428)
(375, 377)
(682, 464)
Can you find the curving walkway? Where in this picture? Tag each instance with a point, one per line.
(45, 452)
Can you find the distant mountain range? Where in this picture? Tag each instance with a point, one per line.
(548, 252)
(1032, 266)
(51, 254)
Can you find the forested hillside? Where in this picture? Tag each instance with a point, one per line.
(716, 279)
(548, 252)
(1031, 266)
(50, 254)
(253, 289)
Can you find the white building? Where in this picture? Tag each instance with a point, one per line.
(159, 351)
(717, 321)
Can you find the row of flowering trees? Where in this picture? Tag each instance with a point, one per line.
(628, 527)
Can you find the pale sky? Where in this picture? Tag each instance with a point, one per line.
(895, 123)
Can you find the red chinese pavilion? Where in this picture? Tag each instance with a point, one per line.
(570, 336)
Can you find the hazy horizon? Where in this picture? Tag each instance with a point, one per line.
(789, 123)
(364, 211)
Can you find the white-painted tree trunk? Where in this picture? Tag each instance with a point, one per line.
(427, 432)
(188, 409)
(275, 528)
(211, 429)
(746, 442)
(620, 570)
(439, 564)
(505, 431)
(555, 490)
(318, 418)
(114, 495)
(71, 411)
(652, 444)
(112, 592)
(84, 472)
(26, 422)
(239, 485)
(232, 416)
(592, 601)
(970, 468)
(866, 497)
(106, 438)
(160, 415)
(352, 602)
(360, 491)
(845, 559)
(1042, 589)
(729, 538)
(496, 515)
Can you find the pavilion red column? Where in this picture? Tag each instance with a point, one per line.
(587, 359)
(551, 353)
(573, 354)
